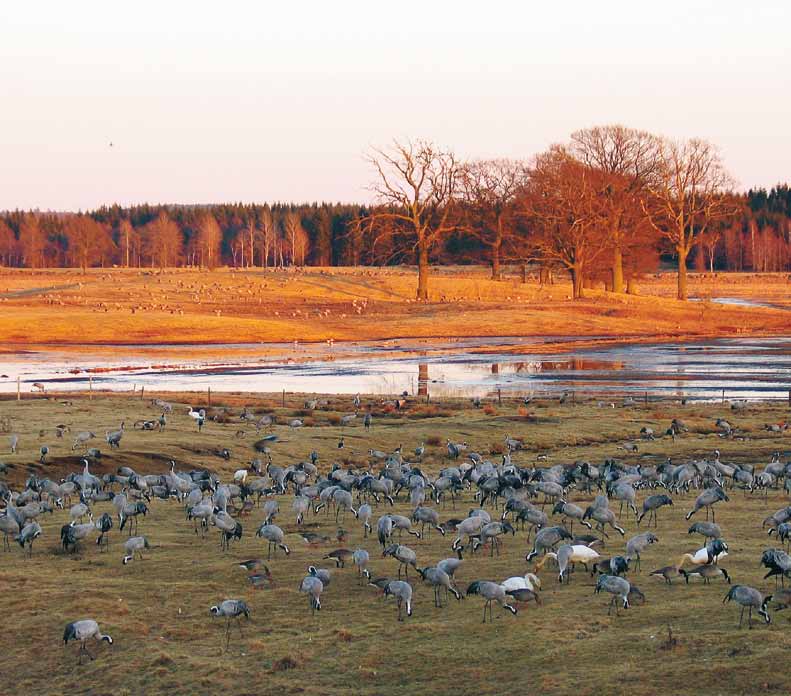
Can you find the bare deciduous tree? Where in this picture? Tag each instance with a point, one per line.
(627, 160)
(686, 196)
(163, 241)
(209, 239)
(416, 186)
(562, 204)
(490, 188)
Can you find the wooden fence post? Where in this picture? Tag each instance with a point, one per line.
(90, 387)
(209, 396)
(19, 390)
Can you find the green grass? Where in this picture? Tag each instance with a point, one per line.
(158, 610)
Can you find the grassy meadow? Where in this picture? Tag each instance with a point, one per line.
(69, 308)
(157, 610)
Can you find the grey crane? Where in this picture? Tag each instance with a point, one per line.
(274, 536)
(300, 505)
(104, 524)
(364, 513)
(427, 516)
(321, 573)
(130, 513)
(489, 534)
(30, 532)
(404, 555)
(709, 530)
(603, 515)
(135, 546)
(43, 452)
(439, 580)
(114, 437)
(618, 587)
(749, 598)
(313, 587)
(404, 524)
(571, 512)
(231, 609)
(546, 539)
(14, 442)
(651, 504)
(361, 557)
(707, 499)
(229, 528)
(468, 527)
(367, 421)
(384, 529)
(82, 631)
(639, 543)
(8, 526)
(402, 591)
(491, 592)
(82, 439)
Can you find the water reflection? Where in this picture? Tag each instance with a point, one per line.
(756, 368)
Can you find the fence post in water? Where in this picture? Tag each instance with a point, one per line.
(723, 396)
(142, 391)
(209, 396)
(90, 387)
(19, 392)
(499, 397)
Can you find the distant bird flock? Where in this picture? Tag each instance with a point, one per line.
(523, 500)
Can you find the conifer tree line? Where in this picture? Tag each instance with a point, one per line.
(610, 203)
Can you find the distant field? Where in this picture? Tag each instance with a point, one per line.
(185, 306)
(157, 610)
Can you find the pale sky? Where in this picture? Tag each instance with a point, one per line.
(265, 101)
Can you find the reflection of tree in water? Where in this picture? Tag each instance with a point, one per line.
(422, 379)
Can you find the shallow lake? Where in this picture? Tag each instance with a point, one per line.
(744, 368)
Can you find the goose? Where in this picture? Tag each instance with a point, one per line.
(491, 592)
(340, 556)
(748, 598)
(667, 572)
(82, 631)
(231, 609)
(708, 572)
(402, 591)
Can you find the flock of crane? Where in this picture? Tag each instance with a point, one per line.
(516, 496)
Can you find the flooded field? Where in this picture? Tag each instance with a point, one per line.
(743, 368)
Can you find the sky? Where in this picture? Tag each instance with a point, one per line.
(263, 101)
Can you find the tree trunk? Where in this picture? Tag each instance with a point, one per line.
(496, 247)
(617, 270)
(422, 270)
(577, 282)
(682, 274)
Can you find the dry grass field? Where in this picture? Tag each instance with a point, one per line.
(116, 306)
(157, 610)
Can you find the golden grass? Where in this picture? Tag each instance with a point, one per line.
(165, 639)
(182, 306)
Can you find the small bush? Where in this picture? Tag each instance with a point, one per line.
(284, 664)
(433, 441)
